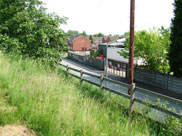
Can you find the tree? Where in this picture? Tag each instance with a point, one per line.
(175, 51)
(152, 48)
(91, 38)
(26, 29)
(84, 33)
(99, 35)
(73, 32)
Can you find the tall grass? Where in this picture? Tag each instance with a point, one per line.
(53, 105)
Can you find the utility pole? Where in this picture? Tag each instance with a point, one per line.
(131, 52)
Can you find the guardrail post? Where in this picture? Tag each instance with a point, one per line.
(181, 124)
(132, 98)
(81, 76)
(101, 81)
(67, 70)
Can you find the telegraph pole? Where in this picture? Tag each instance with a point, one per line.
(131, 51)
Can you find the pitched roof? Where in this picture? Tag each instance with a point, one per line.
(98, 39)
(73, 37)
(112, 38)
(105, 37)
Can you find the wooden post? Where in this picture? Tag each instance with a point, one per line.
(181, 123)
(81, 77)
(67, 70)
(132, 98)
(101, 81)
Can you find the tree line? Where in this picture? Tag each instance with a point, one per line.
(75, 32)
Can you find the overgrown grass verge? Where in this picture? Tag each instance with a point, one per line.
(53, 105)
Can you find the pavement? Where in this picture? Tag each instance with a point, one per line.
(114, 77)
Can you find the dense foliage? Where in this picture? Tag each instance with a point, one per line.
(73, 32)
(91, 38)
(99, 35)
(84, 33)
(152, 47)
(175, 52)
(26, 29)
(95, 53)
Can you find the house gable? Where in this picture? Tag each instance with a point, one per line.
(81, 43)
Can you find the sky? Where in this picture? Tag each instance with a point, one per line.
(111, 16)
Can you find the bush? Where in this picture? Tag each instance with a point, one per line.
(95, 53)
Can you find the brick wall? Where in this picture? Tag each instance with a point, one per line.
(81, 44)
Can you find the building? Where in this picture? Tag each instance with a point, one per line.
(97, 40)
(108, 39)
(79, 43)
(112, 52)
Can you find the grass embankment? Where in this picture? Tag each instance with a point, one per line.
(53, 105)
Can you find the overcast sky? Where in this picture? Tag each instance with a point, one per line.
(111, 16)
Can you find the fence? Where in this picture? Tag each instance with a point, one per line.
(87, 60)
(118, 68)
(153, 78)
(157, 79)
(133, 88)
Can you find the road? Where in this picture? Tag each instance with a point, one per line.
(77, 65)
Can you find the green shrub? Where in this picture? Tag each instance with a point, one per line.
(95, 53)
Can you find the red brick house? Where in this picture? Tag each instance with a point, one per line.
(79, 43)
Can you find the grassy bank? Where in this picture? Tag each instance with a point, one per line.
(53, 105)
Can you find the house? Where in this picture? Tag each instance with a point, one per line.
(108, 39)
(79, 43)
(96, 42)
